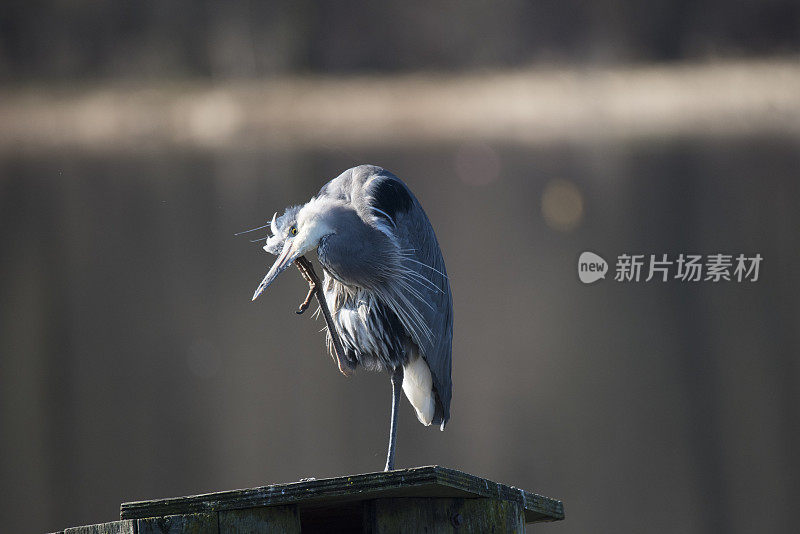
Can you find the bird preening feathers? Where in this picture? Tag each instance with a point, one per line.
(385, 294)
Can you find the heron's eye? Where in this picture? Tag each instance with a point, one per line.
(293, 230)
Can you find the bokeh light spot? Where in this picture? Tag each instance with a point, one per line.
(562, 205)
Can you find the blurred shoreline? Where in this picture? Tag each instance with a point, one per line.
(532, 107)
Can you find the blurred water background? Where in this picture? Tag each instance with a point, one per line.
(137, 138)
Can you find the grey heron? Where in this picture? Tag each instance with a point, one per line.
(385, 284)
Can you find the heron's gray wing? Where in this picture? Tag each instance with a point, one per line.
(391, 200)
(383, 202)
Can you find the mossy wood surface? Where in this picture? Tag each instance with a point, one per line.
(115, 527)
(337, 495)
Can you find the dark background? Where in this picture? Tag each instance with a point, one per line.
(133, 364)
(79, 39)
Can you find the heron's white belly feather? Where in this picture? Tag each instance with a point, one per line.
(355, 326)
(418, 387)
(362, 327)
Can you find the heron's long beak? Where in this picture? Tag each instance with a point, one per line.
(284, 260)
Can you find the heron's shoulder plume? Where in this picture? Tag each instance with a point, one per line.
(378, 195)
(390, 195)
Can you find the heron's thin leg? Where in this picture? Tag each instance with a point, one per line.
(307, 270)
(397, 385)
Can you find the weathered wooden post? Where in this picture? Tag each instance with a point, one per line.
(421, 499)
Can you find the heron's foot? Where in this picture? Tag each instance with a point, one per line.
(312, 288)
(389, 466)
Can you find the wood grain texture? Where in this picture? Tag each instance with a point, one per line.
(114, 527)
(264, 520)
(429, 481)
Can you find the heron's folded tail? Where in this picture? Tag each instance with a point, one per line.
(418, 387)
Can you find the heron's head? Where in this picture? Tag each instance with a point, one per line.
(294, 233)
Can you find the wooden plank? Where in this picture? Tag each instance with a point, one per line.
(444, 516)
(429, 481)
(204, 523)
(264, 520)
(114, 527)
